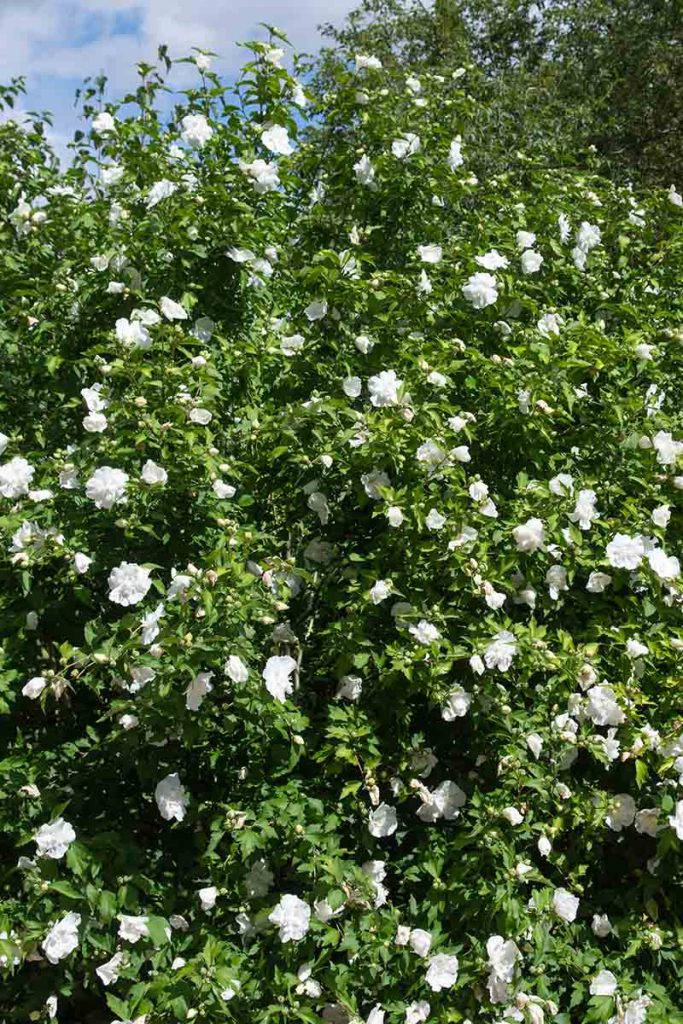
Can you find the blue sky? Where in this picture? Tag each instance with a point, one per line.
(56, 43)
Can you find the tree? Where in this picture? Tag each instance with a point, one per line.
(565, 76)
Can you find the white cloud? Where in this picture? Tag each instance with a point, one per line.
(70, 39)
(56, 43)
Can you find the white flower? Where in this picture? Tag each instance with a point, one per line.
(602, 707)
(598, 582)
(481, 290)
(667, 567)
(556, 579)
(196, 130)
(150, 625)
(565, 905)
(535, 744)
(636, 649)
(160, 190)
(503, 955)
(351, 387)
(600, 925)
(588, 236)
(430, 453)
(54, 839)
(442, 972)
(501, 651)
(107, 486)
(153, 474)
(585, 511)
(132, 334)
(111, 175)
(240, 255)
(62, 938)
(128, 583)
(622, 812)
(549, 323)
(634, 1012)
(364, 344)
(108, 972)
(95, 423)
(424, 632)
(417, 1012)
(15, 477)
(394, 516)
(603, 984)
(201, 416)
(382, 821)
(512, 815)
(82, 562)
(625, 552)
(443, 802)
(660, 516)
(563, 227)
(292, 916)
(667, 448)
(197, 690)
(430, 253)
(172, 310)
(372, 481)
(316, 310)
(531, 261)
(364, 171)
(676, 820)
(132, 928)
(103, 123)
(420, 941)
(171, 797)
(461, 453)
(457, 704)
(34, 687)
(675, 198)
(207, 897)
(380, 591)
(455, 158)
(277, 141)
(647, 821)
(273, 55)
(289, 346)
(424, 285)
(350, 688)
(364, 61)
(264, 175)
(128, 722)
(434, 520)
(236, 670)
(223, 490)
(384, 388)
(544, 846)
(406, 146)
(277, 674)
(492, 260)
(529, 536)
(525, 240)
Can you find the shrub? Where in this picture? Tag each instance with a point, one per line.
(340, 599)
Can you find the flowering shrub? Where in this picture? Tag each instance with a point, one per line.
(341, 602)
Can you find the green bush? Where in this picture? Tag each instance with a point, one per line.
(340, 600)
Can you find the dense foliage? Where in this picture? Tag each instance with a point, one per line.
(576, 80)
(340, 601)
